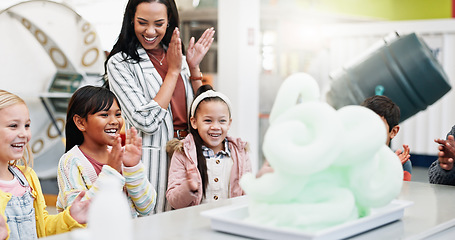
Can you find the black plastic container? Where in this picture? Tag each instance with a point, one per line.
(403, 69)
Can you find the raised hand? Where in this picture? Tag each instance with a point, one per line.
(133, 148)
(403, 155)
(266, 168)
(191, 176)
(196, 51)
(446, 152)
(79, 209)
(115, 156)
(174, 53)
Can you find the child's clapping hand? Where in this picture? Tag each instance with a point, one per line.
(191, 179)
(115, 156)
(131, 154)
(403, 155)
(79, 209)
(133, 148)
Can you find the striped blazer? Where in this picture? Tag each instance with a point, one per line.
(136, 85)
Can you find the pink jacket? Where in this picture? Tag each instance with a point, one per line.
(184, 157)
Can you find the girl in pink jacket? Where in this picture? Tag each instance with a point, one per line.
(206, 166)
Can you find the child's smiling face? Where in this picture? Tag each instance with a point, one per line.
(15, 131)
(103, 127)
(212, 121)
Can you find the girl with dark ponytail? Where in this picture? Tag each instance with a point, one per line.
(206, 166)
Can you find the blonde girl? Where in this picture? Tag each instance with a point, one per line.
(22, 206)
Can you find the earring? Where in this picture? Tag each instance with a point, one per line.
(168, 25)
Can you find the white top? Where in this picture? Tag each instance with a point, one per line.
(219, 173)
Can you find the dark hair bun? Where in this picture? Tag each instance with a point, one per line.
(202, 89)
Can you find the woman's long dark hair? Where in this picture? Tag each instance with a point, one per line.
(201, 161)
(127, 41)
(86, 100)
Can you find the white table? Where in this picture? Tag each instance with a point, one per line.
(431, 216)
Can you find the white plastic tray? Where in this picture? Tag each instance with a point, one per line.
(230, 219)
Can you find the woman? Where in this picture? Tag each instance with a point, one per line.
(154, 82)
